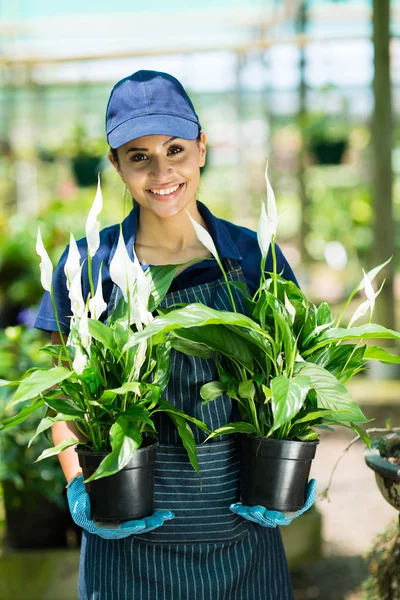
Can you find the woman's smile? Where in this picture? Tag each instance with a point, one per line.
(169, 192)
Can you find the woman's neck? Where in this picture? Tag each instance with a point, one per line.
(171, 240)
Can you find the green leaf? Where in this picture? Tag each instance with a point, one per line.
(65, 406)
(170, 409)
(342, 361)
(131, 386)
(247, 389)
(223, 340)
(370, 330)
(191, 348)
(163, 362)
(331, 394)
(376, 353)
(324, 315)
(308, 436)
(288, 396)
(47, 422)
(160, 279)
(362, 433)
(102, 333)
(139, 414)
(59, 448)
(22, 415)
(212, 390)
(125, 438)
(187, 437)
(232, 428)
(38, 382)
(193, 315)
(310, 415)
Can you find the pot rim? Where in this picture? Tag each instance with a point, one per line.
(86, 451)
(273, 440)
(382, 467)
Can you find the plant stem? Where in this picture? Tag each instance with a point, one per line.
(274, 266)
(59, 328)
(90, 275)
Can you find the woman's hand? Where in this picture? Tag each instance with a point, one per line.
(79, 506)
(274, 518)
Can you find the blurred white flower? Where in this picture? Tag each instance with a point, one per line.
(46, 267)
(204, 237)
(369, 303)
(75, 295)
(122, 269)
(92, 224)
(97, 305)
(73, 262)
(264, 232)
(143, 292)
(84, 334)
(373, 273)
(80, 360)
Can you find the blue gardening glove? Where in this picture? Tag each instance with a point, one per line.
(272, 518)
(79, 506)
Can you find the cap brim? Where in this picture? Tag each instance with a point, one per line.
(152, 125)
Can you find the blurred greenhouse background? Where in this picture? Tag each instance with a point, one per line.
(306, 83)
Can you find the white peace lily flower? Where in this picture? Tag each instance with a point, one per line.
(264, 232)
(73, 262)
(75, 295)
(320, 328)
(272, 211)
(140, 357)
(92, 224)
(97, 305)
(290, 308)
(84, 334)
(369, 303)
(204, 237)
(373, 273)
(80, 361)
(46, 267)
(123, 271)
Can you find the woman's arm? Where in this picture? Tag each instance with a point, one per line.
(62, 431)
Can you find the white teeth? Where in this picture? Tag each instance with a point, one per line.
(164, 192)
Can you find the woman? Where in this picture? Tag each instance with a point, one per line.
(209, 547)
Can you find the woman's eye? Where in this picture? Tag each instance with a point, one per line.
(175, 149)
(138, 157)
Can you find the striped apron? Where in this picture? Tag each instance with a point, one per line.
(206, 552)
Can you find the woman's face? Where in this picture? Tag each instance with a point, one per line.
(162, 173)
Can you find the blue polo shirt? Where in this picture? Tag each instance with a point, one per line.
(231, 241)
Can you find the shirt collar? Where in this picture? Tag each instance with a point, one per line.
(226, 247)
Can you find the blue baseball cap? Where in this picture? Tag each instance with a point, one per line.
(149, 103)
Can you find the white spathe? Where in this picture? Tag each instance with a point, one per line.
(75, 295)
(97, 305)
(46, 266)
(204, 237)
(73, 262)
(122, 269)
(92, 224)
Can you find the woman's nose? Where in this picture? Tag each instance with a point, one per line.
(160, 169)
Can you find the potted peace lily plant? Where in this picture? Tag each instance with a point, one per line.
(286, 363)
(109, 391)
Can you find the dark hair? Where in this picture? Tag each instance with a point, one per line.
(114, 151)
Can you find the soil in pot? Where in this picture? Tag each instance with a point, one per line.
(275, 473)
(128, 494)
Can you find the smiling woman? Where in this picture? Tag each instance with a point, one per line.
(158, 149)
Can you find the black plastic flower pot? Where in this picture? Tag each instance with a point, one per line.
(274, 473)
(126, 495)
(85, 169)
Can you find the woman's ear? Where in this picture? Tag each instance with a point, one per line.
(203, 149)
(115, 164)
